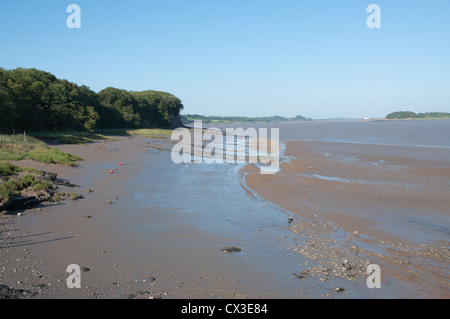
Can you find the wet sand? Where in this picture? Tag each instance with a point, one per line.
(164, 235)
(392, 202)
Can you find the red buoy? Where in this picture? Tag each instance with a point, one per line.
(120, 164)
(111, 171)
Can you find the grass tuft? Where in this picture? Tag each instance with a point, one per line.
(51, 155)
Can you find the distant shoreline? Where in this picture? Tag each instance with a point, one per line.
(409, 119)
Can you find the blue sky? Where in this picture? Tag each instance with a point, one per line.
(251, 58)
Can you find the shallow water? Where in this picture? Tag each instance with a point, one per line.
(432, 133)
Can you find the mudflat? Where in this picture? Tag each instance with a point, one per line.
(155, 229)
(388, 202)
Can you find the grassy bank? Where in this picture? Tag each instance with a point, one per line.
(65, 137)
(32, 145)
(18, 147)
(12, 185)
(150, 133)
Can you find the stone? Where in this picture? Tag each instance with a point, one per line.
(339, 289)
(231, 250)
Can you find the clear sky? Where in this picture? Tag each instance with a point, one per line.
(244, 57)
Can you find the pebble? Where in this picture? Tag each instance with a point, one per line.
(231, 250)
(339, 289)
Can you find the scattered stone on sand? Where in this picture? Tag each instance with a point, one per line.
(11, 293)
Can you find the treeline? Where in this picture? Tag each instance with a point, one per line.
(411, 115)
(190, 118)
(35, 100)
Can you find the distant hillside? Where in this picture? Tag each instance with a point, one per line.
(35, 100)
(411, 115)
(190, 118)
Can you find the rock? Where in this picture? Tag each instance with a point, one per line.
(52, 177)
(339, 289)
(231, 250)
(299, 276)
(21, 203)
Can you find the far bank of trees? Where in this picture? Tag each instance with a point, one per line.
(411, 115)
(190, 118)
(35, 100)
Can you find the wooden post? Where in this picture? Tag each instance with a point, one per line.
(24, 136)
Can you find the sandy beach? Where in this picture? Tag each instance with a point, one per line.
(154, 229)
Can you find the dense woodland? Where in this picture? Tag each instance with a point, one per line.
(35, 100)
(411, 115)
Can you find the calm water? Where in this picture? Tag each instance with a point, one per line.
(433, 133)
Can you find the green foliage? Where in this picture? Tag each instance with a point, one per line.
(11, 155)
(69, 137)
(411, 115)
(7, 169)
(51, 155)
(19, 147)
(75, 196)
(38, 101)
(26, 181)
(13, 187)
(42, 186)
